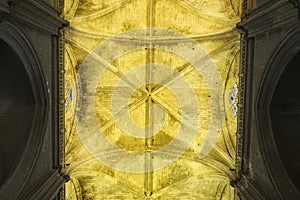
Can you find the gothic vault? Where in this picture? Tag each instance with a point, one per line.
(149, 99)
(153, 52)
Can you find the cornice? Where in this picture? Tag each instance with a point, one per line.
(49, 186)
(269, 16)
(4, 6)
(37, 14)
(296, 4)
(249, 189)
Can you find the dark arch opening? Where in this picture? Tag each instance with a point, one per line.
(16, 110)
(285, 118)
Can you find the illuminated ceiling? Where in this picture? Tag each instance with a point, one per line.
(151, 98)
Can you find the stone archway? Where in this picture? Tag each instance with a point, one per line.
(285, 113)
(17, 109)
(24, 114)
(281, 58)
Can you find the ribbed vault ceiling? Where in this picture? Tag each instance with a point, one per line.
(151, 98)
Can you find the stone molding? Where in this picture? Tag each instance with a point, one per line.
(269, 16)
(49, 187)
(286, 50)
(266, 18)
(16, 38)
(296, 4)
(37, 14)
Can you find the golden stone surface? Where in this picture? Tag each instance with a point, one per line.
(190, 176)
